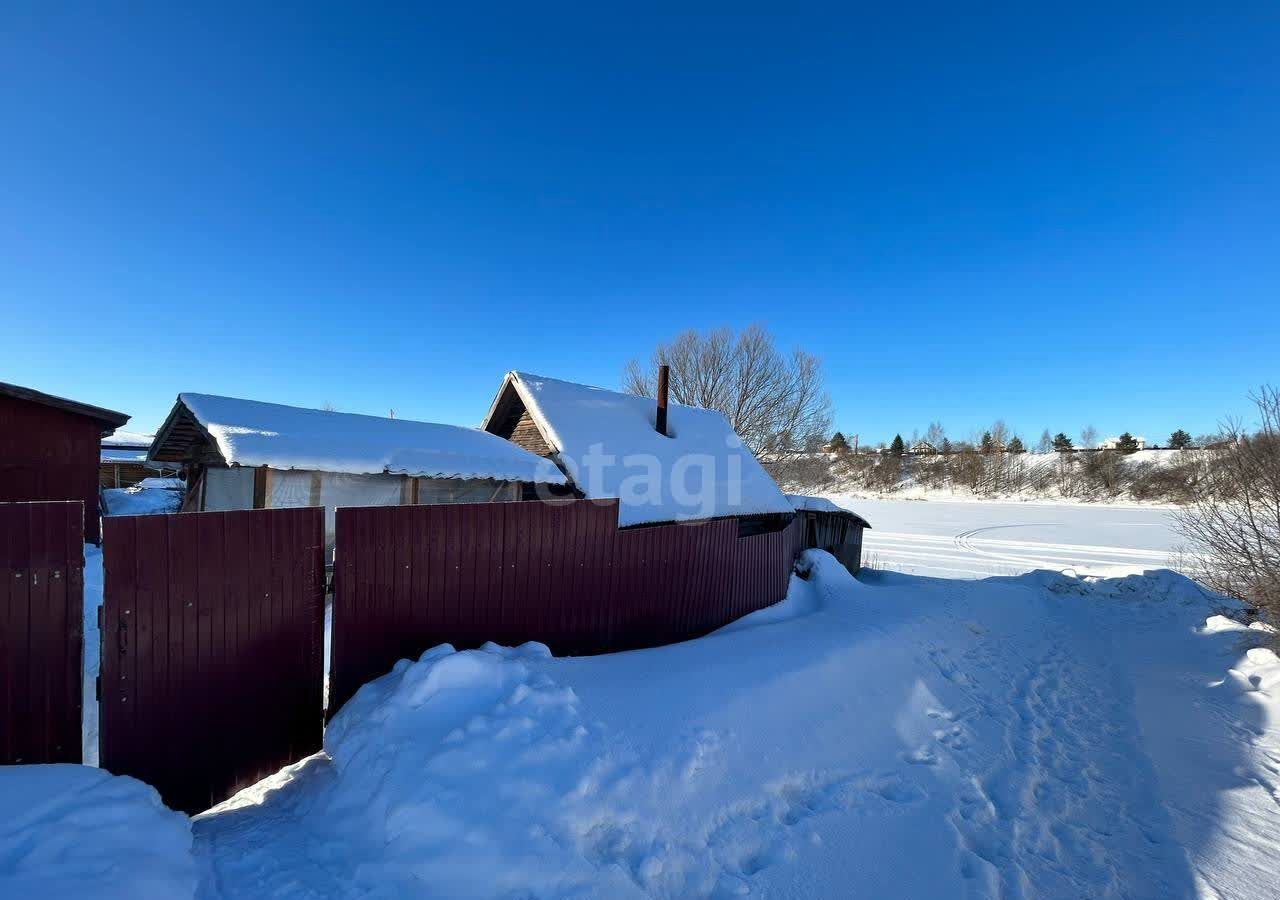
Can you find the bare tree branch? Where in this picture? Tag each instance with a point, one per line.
(775, 403)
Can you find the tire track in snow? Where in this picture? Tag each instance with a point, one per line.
(968, 554)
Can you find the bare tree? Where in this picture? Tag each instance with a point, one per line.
(1088, 437)
(1233, 522)
(935, 434)
(1045, 444)
(999, 434)
(775, 403)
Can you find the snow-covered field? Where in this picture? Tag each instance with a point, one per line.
(902, 735)
(971, 539)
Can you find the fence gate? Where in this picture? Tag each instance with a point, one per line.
(41, 628)
(212, 648)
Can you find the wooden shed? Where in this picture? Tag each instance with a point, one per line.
(247, 454)
(49, 449)
(124, 461)
(831, 528)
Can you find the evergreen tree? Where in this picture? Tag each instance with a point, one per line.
(1179, 440)
(1015, 445)
(897, 448)
(838, 444)
(1062, 443)
(945, 446)
(1127, 443)
(988, 445)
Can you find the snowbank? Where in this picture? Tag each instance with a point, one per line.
(73, 832)
(606, 441)
(140, 501)
(252, 433)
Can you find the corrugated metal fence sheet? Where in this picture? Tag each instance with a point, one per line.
(410, 577)
(212, 648)
(41, 631)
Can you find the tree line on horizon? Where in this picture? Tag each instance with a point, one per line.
(997, 440)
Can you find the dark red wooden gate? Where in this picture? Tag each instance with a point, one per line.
(411, 577)
(212, 648)
(41, 631)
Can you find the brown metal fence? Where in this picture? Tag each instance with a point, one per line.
(410, 577)
(212, 648)
(41, 631)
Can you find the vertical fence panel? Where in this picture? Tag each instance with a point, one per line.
(558, 572)
(41, 629)
(212, 648)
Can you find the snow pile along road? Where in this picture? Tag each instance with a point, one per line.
(73, 832)
(1037, 736)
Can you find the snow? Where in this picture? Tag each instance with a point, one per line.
(252, 433)
(899, 735)
(1035, 736)
(134, 455)
(72, 832)
(607, 443)
(156, 482)
(141, 501)
(92, 654)
(956, 539)
(814, 504)
(128, 439)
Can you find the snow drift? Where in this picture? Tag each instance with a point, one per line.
(72, 831)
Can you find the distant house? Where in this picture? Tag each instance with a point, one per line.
(123, 461)
(246, 454)
(922, 448)
(608, 446)
(1113, 443)
(49, 449)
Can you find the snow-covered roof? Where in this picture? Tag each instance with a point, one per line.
(607, 443)
(252, 433)
(128, 439)
(123, 455)
(810, 503)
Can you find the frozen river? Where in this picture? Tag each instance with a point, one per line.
(961, 539)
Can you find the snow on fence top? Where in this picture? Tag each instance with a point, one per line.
(252, 433)
(607, 443)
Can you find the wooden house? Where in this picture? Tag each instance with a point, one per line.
(662, 462)
(246, 454)
(50, 447)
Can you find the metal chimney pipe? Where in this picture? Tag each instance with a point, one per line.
(664, 373)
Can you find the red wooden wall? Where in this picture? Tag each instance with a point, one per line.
(410, 577)
(41, 631)
(212, 648)
(49, 454)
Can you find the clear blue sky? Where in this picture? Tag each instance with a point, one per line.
(1054, 217)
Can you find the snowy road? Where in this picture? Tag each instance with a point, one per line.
(953, 539)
